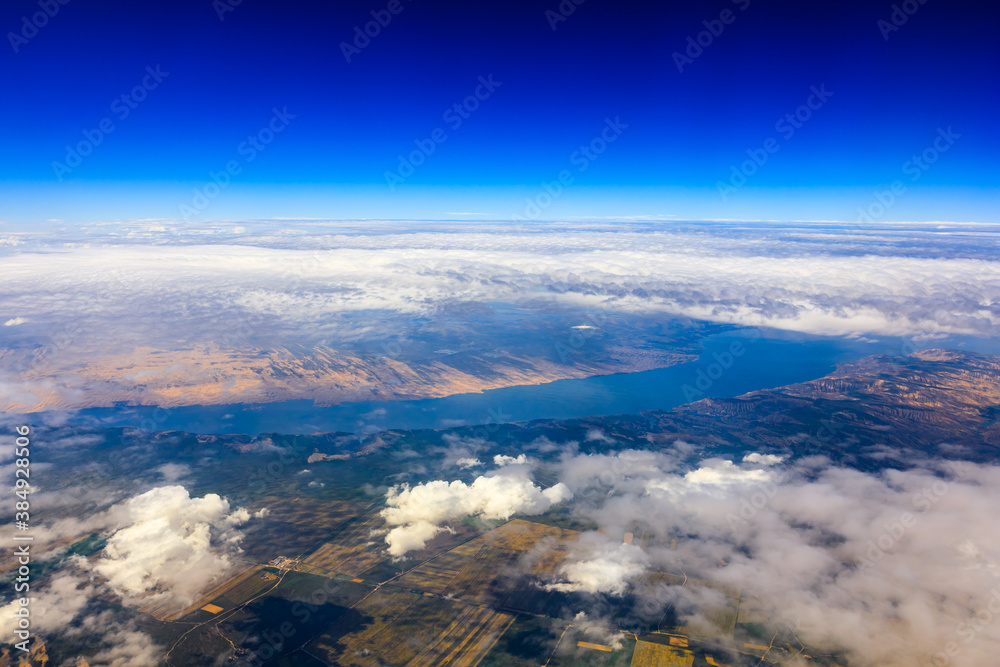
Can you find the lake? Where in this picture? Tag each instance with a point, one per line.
(729, 365)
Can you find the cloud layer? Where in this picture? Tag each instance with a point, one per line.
(163, 546)
(313, 295)
(899, 568)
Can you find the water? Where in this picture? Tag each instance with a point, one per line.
(730, 365)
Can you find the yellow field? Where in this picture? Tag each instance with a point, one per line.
(596, 647)
(484, 575)
(400, 626)
(466, 640)
(522, 535)
(352, 551)
(648, 654)
(437, 573)
(244, 589)
(475, 571)
(166, 610)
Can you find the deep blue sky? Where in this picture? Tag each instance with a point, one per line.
(607, 59)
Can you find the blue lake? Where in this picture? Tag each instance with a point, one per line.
(729, 365)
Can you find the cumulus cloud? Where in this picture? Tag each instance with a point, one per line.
(504, 460)
(168, 542)
(895, 567)
(468, 463)
(720, 473)
(763, 459)
(417, 514)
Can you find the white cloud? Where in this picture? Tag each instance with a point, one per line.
(14, 322)
(763, 459)
(173, 471)
(167, 541)
(504, 460)
(597, 435)
(52, 607)
(468, 463)
(725, 473)
(416, 514)
(346, 287)
(600, 566)
(894, 566)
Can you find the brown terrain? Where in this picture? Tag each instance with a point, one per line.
(934, 403)
(215, 376)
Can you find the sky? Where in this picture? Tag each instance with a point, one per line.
(216, 110)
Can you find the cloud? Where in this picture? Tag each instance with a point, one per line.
(600, 566)
(503, 460)
(763, 459)
(168, 542)
(895, 567)
(597, 435)
(52, 607)
(59, 609)
(215, 301)
(468, 463)
(720, 473)
(14, 322)
(416, 514)
(173, 471)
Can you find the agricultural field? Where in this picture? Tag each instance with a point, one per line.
(653, 654)
(392, 636)
(481, 570)
(352, 548)
(295, 525)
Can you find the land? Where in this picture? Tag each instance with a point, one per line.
(475, 595)
(423, 362)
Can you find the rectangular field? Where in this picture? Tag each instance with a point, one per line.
(649, 654)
